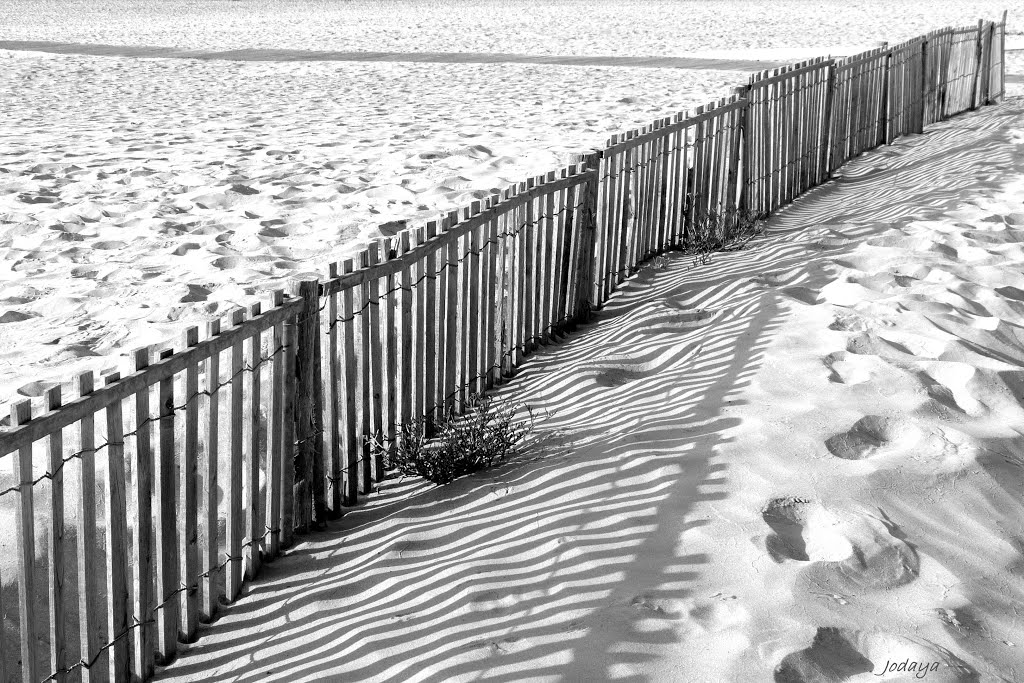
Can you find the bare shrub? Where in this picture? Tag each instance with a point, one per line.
(483, 437)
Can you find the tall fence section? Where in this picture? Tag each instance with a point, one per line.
(142, 504)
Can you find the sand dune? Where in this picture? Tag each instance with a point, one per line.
(802, 461)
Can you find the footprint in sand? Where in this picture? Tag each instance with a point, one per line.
(848, 551)
(846, 368)
(873, 435)
(838, 654)
(898, 441)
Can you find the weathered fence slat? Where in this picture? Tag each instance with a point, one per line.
(275, 433)
(407, 386)
(430, 327)
(88, 625)
(116, 513)
(333, 427)
(390, 365)
(374, 459)
(142, 524)
(212, 581)
(21, 413)
(233, 486)
(453, 349)
(288, 446)
(57, 608)
(251, 475)
(350, 378)
(166, 517)
(188, 522)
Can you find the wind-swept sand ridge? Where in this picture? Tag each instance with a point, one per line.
(685, 517)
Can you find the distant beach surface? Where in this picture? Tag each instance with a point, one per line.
(140, 195)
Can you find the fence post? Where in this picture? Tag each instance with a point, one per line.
(309, 499)
(1002, 57)
(736, 198)
(589, 295)
(825, 162)
(976, 82)
(885, 110)
(923, 95)
(988, 61)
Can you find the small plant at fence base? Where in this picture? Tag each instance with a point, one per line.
(712, 231)
(483, 437)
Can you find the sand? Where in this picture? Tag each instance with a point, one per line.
(803, 461)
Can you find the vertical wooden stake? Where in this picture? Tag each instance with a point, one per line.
(275, 430)
(117, 538)
(58, 645)
(254, 530)
(142, 522)
(977, 66)
(165, 514)
(188, 526)
(21, 414)
(309, 493)
(213, 579)
(233, 486)
(88, 624)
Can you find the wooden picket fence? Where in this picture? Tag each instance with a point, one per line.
(140, 505)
